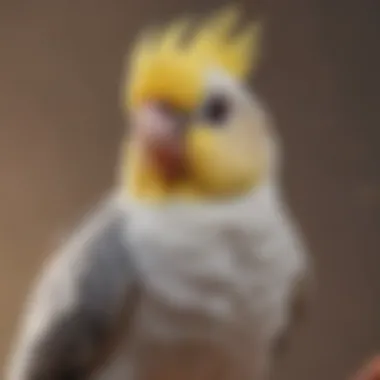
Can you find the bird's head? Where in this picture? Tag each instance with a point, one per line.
(196, 132)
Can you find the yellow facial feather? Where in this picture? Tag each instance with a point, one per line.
(167, 68)
(171, 67)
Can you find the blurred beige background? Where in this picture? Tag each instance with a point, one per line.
(60, 127)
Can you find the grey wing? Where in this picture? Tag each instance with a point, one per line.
(78, 304)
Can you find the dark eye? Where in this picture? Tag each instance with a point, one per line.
(216, 109)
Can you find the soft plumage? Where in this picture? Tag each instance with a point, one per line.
(193, 267)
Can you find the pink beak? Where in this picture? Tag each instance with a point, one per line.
(160, 133)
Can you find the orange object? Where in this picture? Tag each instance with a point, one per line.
(371, 371)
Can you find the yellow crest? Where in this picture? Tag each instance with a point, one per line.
(164, 66)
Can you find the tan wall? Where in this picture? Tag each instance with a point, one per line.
(60, 127)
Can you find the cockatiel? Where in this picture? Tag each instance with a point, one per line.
(193, 268)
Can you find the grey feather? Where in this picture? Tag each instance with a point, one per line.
(78, 302)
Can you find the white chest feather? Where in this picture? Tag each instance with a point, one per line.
(231, 264)
(215, 275)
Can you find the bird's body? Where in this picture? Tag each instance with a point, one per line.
(216, 288)
(195, 268)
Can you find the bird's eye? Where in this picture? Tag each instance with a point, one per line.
(217, 109)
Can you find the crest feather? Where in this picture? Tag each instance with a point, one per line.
(163, 65)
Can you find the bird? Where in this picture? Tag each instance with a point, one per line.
(193, 266)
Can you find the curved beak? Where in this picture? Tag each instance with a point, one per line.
(160, 132)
